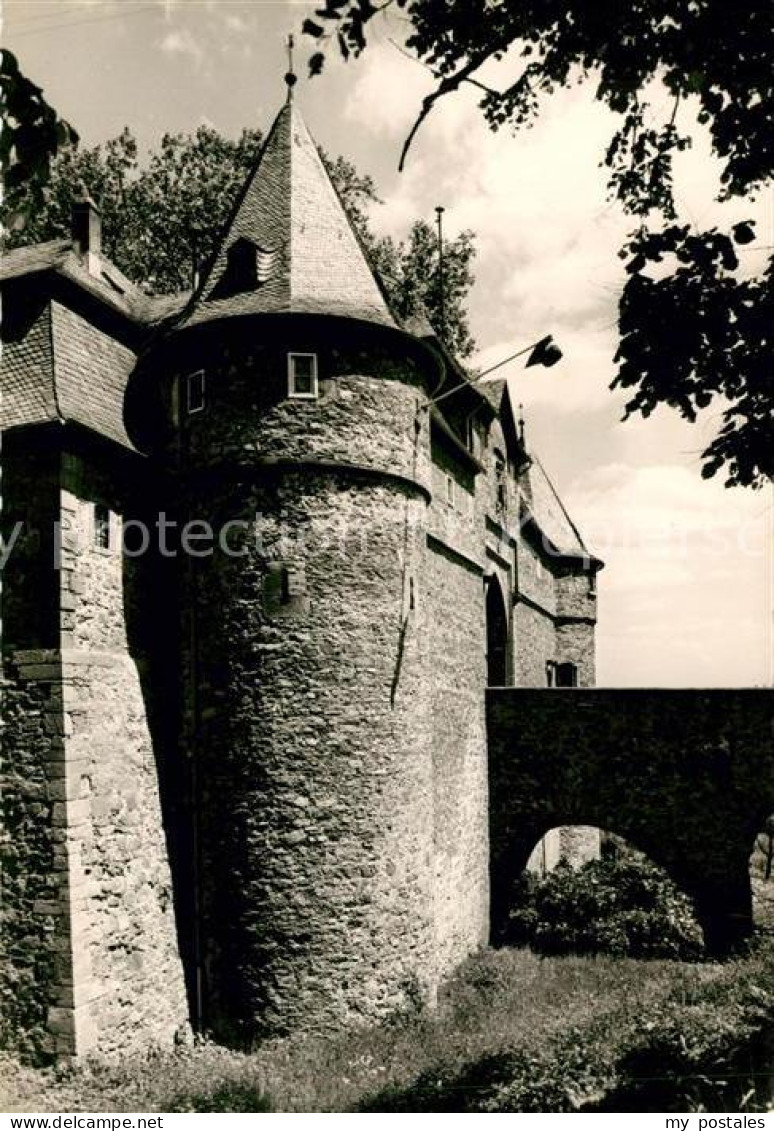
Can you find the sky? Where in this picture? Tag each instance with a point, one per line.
(687, 595)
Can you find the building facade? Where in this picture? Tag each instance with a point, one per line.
(256, 585)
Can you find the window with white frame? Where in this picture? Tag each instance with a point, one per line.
(302, 376)
(194, 392)
(450, 490)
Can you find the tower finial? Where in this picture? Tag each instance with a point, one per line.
(290, 78)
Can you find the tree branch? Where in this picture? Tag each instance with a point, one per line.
(449, 84)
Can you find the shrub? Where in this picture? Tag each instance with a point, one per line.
(625, 906)
(229, 1097)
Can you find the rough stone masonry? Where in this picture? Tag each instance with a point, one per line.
(260, 586)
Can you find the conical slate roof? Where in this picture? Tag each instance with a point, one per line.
(289, 245)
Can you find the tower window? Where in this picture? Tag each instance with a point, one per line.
(194, 392)
(101, 527)
(449, 490)
(302, 375)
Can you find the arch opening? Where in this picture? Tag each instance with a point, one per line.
(586, 890)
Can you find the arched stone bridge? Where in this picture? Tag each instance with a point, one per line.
(686, 776)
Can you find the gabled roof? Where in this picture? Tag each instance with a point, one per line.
(103, 281)
(307, 257)
(544, 506)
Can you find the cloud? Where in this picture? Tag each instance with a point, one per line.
(182, 42)
(233, 22)
(686, 596)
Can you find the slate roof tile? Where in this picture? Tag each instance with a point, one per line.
(312, 259)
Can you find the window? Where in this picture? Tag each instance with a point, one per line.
(592, 584)
(566, 675)
(241, 266)
(475, 439)
(194, 392)
(449, 490)
(501, 481)
(302, 375)
(101, 527)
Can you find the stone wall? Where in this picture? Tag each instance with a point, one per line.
(98, 967)
(685, 776)
(310, 740)
(137, 994)
(454, 592)
(365, 414)
(576, 607)
(35, 927)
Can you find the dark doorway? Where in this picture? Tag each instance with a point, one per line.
(496, 635)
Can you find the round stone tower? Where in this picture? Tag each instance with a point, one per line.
(282, 404)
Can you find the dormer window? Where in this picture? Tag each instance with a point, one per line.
(194, 392)
(248, 267)
(242, 266)
(302, 376)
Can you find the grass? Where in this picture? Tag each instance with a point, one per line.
(507, 1016)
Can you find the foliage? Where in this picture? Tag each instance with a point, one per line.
(700, 1048)
(694, 326)
(32, 134)
(511, 1030)
(161, 220)
(412, 275)
(624, 906)
(763, 852)
(229, 1097)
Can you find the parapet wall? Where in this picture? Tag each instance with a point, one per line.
(686, 776)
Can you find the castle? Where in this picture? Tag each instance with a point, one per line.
(260, 570)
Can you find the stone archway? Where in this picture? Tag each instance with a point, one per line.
(686, 776)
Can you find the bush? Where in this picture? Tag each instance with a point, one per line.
(229, 1097)
(702, 1048)
(622, 907)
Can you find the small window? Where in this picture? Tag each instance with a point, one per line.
(194, 392)
(241, 266)
(284, 586)
(566, 675)
(302, 375)
(101, 527)
(593, 584)
(475, 439)
(450, 490)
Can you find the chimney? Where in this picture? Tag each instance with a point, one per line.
(86, 231)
